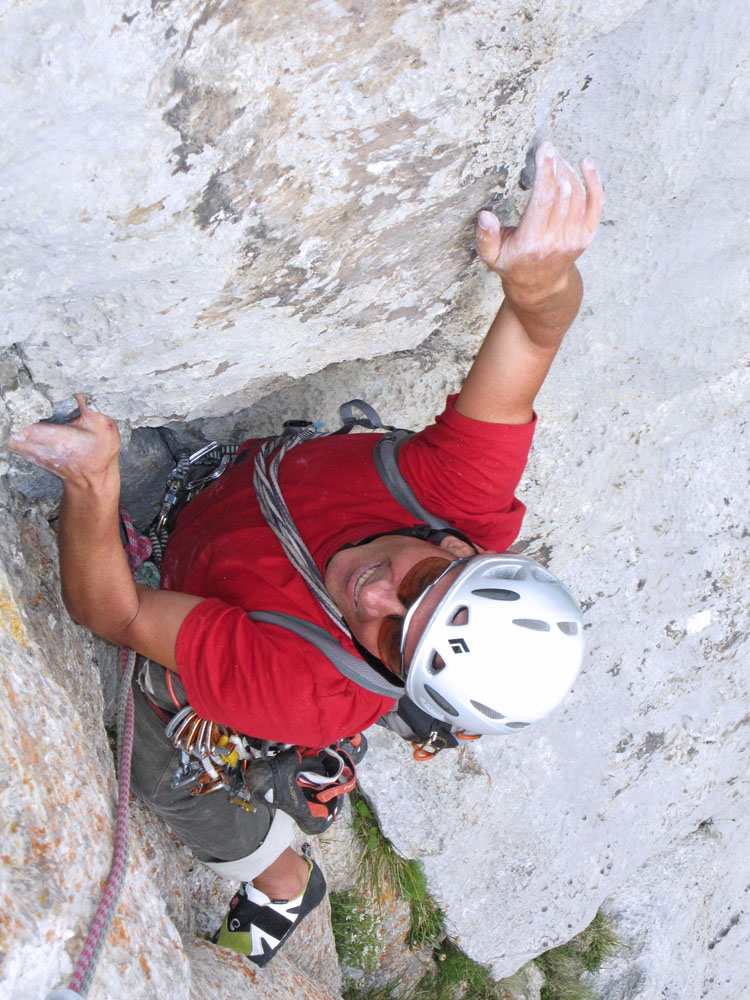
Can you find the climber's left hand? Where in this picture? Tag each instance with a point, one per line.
(82, 453)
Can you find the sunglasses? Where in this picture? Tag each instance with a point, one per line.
(415, 585)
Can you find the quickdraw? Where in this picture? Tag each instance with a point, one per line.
(181, 487)
(209, 751)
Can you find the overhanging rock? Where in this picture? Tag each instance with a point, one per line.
(203, 199)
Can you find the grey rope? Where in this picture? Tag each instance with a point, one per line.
(279, 520)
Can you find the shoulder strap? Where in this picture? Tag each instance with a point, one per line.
(347, 664)
(386, 462)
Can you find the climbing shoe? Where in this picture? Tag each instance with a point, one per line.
(257, 926)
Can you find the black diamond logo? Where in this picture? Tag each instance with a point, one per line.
(458, 645)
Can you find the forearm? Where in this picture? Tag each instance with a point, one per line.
(98, 589)
(543, 289)
(517, 352)
(97, 586)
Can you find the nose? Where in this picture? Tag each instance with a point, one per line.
(379, 598)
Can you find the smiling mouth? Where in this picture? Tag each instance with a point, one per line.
(360, 582)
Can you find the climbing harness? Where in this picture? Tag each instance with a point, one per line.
(307, 784)
(301, 781)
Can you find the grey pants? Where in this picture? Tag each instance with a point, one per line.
(214, 829)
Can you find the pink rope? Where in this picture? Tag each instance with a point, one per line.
(89, 957)
(137, 550)
(138, 547)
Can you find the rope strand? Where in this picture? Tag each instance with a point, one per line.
(92, 949)
(137, 551)
(280, 521)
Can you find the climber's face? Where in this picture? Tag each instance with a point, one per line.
(375, 583)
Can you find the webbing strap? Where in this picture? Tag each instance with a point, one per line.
(371, 418)
(350, 666)
(386, 462)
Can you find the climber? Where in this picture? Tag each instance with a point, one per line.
(386, 579)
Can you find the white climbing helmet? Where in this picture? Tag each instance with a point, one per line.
(501, 649)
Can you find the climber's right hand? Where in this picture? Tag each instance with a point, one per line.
(82, 453)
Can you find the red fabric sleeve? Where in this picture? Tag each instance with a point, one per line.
(467, 472)
(264, 680)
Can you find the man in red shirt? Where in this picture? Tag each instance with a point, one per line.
(223, 561)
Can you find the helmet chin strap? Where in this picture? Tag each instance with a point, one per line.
(375, 663)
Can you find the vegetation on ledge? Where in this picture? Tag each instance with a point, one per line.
(567, 970)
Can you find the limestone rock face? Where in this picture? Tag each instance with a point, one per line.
(677, 905)
(636, 493)
(205, 201)
(57, 798)
(219, 196)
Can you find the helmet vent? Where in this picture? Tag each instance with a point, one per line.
(440, 701)
(533, 623)
(460, 616)
(505, 573)
(497, 594)
(517, 725)
(568, 628)
(489, 712)
(437, 663)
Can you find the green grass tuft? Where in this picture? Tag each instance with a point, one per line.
(565, 967)
(457, 975)
(355, 930)
(454, 976)
(382, 865)
(598, 942)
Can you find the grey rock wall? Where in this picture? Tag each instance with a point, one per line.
(205, 202)
(57, 796)
(233, 194)
(637, 491)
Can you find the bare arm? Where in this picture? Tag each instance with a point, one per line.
(98, 589)
(542, 287)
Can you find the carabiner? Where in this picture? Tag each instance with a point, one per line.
(430, 747)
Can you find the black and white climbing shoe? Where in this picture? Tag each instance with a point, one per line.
(257, 926)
